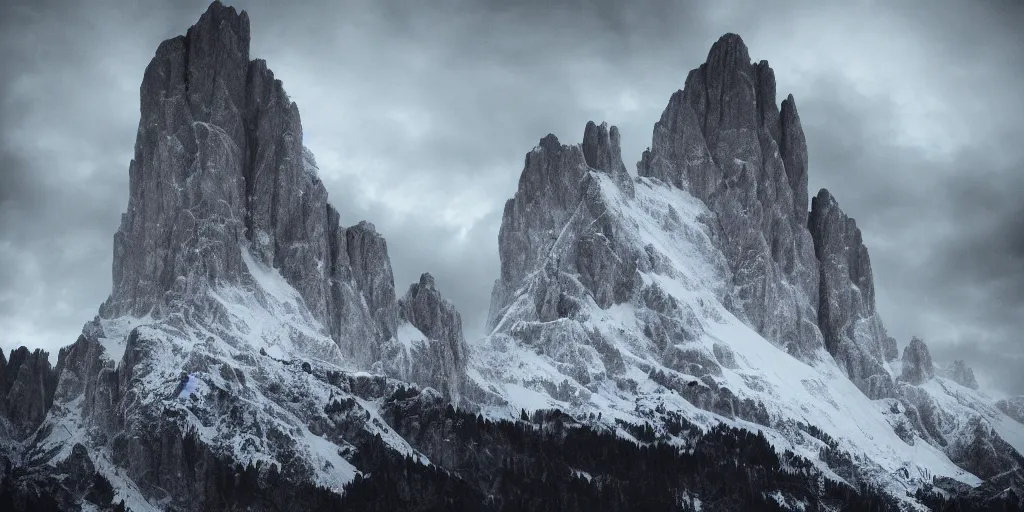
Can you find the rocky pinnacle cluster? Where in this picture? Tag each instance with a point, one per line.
(220, 168)
(247, 323)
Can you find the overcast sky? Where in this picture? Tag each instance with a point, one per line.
(420, 117)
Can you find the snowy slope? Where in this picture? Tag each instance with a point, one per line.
(532, 374)
(248, 370)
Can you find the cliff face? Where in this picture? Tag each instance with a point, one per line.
(27, 384)
(724, 139)
(917, 362)
(241, 311)
(962, 374)
(432, 350)
(852, 329)
(220, 169)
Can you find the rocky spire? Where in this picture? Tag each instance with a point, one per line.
(442, 363)
(793, 147)
(723, 139)
(851, 327)
(556, 222)
(962, 374)
(550, 181)
(917, 362)
(27, 384)
(603, 151)
(219, 169)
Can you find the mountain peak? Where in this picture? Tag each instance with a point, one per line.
(962, 374)
(917, 362)
(220, 174)
(723, 140)
(602, 150)
(426, 281)
(729, 48)
(223, 21)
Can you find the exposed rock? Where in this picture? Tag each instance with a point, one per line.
(852, 329)
(925, 416)
(962, 374)
(27, 384)
(722, 138)
(441, 361)
(371, 267)
(227, 243)
(219, 169)
(603, 151)
(1012, 407)
(225, 197)
(186, 205)
(917, 362)
(556, 224)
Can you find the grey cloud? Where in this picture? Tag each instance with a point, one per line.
(420, 117)
(945, 235)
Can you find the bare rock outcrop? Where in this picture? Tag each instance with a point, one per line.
(219, 170)
(1012, 407)
(959, 372)
(917, 362)
(849, 322)
(439, 359)
(724, 139)
(27, 384)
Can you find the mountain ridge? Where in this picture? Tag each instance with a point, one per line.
(246, 326)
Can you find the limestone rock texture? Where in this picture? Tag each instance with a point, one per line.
(243, 316)
(724, 139)
(604, 283)
(220, 175)
(27, 384)
(959, 372)
(917, 362)
(849, 322)
(431, 349)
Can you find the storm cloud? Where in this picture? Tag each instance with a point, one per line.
(420, 113)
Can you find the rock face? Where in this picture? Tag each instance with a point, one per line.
(219, 170)
(852, 329)
(602, 150)
(962, 374)
(1012, 407)
(723, 139)
(556, 218)
(983, 452)
(27, 384)
(242, 313)
(371, 268)
(801, 281)
(917, 362)
(439, 359)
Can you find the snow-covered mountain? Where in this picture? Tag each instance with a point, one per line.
(254, 353)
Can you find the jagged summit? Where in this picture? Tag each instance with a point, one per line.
(603, 284)
(602, 150)
(243, 315)
(722, 139)
(849, 322)
(221, 182)
(917, 362)
(959, 372)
